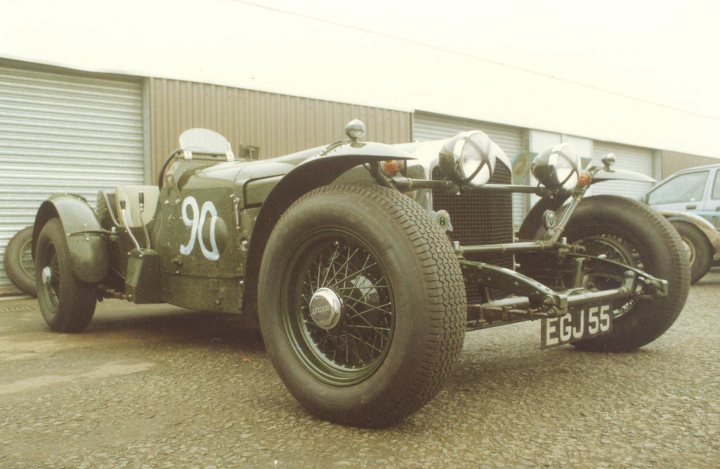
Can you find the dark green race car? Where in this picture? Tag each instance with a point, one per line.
(364, 264)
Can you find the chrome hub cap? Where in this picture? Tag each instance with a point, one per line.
(46, 275)
(325, 308)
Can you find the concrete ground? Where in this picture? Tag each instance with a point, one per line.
(158, 386)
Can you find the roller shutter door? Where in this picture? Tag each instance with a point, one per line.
(627, 157)
(433, 127)
(63, 133)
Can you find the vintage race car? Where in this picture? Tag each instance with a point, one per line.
(364, 264)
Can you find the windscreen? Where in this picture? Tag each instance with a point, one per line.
(204, 141)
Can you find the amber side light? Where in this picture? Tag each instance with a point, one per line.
(584, 179)
(392, 167)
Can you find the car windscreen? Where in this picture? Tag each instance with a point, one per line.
(687, 187)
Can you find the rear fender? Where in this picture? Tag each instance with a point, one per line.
(316, 171)
(85, 237)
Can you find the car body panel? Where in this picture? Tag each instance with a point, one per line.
(236, 205)
(711, 203)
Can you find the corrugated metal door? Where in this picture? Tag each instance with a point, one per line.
(434, 127)
(627, 157)
(63, 133)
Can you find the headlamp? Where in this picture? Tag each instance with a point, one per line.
(557, 167)
(468, 158)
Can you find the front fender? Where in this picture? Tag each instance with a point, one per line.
(620, 175)
(316, 171)
(698, 222)
(85, 237)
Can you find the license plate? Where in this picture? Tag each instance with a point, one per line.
(578, 324)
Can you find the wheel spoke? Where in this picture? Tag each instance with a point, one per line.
(354, 274)
(330, 264)
(358, 315)
(345, 265)
(372, 307)
(355, 343)
(369, 345)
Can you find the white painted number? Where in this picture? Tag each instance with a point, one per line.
(196, 221)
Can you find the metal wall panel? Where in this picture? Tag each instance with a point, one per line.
(627, 157)
(63, 133)
(435, 127)
(278, 124)
(673, 161)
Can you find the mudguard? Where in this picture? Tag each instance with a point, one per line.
(85, 237)
(705, 227)
(620, 175)
(316, 171)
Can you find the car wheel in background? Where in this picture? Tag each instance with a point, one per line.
(18, 261)
(699, 250)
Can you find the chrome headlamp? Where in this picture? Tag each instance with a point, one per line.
(468, 158)
(557, 167)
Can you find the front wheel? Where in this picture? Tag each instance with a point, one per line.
(67, 304)
(362, 304)
(629, 232)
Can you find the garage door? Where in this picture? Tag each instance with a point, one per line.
(63, 133)
(627, 157)
(434, 127)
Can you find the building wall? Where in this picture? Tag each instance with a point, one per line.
(673, 161)
(278, 124)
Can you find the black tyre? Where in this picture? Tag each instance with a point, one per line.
(630, 232)
(361, 304)
(66, 303)
(698, 248)
(18, 261)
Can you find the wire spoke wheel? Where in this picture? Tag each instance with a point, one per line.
(361, 304)
(627, 231)
(66, 303)
(615, 248)
(339, 308)
(51, 277)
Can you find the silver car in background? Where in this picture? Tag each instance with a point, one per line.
(690, 200)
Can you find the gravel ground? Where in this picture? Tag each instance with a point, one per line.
(157, 386)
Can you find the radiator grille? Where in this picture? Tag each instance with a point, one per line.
(480, 218)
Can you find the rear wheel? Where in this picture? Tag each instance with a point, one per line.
(698, 248)
(362, 304)
(18, 261)
(66, 303)
(627, 231)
